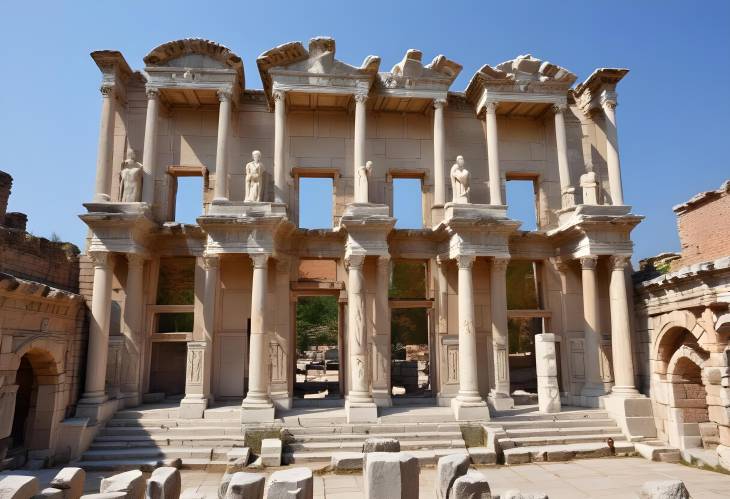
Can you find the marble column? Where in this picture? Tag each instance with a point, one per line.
(280, 185)
(133, 329)
(623, 362)
(149, 155)
(608, 103)
(495, 179)
(468, 404)
(359, 134)
(98, 347)
(381, 326)
(439, 152)
(500, 397)
(257, 405)
(221, 154)
(593, 386)
(567, 191)
(106, 144)
(199, 358)
(546, 366)
(360, 406)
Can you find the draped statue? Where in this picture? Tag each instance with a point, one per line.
(459, 182)
(130, 179)
(254, 177)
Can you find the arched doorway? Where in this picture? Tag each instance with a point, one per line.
(24, 397)
(687, 398)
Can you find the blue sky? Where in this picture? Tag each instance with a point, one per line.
(673, 106)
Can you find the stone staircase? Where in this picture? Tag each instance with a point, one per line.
(526, 436)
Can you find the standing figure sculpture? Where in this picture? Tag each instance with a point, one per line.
(459, 182)
(130, 179)
(362, 182)
(254, 174)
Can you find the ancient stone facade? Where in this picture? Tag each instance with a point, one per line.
(42, 342)
(683, 330)
(207, 310)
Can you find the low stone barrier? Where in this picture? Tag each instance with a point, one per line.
(449, 468)
(391, 474)
(292, 483)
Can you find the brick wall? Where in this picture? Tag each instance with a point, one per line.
(704, 225)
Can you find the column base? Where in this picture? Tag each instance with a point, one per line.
(361, 412)
(633, 413)
(594, 390)
(97, 412)
(257, 412)
(382, 399)
(469, 411)
(192, 408)
(500, 401)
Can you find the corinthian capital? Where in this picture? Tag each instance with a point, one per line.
(465, 261)
(107, 89)
(589, 262)
(500, 264)
(609, 99)
(224, 94)
(260, 261)
(152, 93)
(491, 107)
(278, 95)
(440, 103)
(361, 97)
(560, 108)
(211, 262)
(619, 262)
(355, 262)
(99, 258)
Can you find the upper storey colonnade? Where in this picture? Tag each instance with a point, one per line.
(195, 72)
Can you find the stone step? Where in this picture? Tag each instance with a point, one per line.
(174, 423)
(359, 437)
(574, 423)
(173, 431)
(164, 440)
(560, 416)
(373, 428)
(147, 453)
(549, 432)
(426, 457)
(561, 439)
(356, 446)
(541, 453)
(148, 465)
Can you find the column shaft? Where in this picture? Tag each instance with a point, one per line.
(106, 143)
(381, 324)
(280, 187)
(221, 155)
(623, 365)
(608, 102)
(566, 189)
(359, 135)
(133, 325)
(357, 332)
(500, 337)
(468, 381)
(258, 372)
(439, 155)
(149, 156)
(495, 180)
(591, 323)
(98, 329)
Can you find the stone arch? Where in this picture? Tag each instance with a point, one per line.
(674, 329)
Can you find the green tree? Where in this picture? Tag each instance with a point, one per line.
(316, 321)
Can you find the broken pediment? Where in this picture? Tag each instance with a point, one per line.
(410, 73)
(195, 54)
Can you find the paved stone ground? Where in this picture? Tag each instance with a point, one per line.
(587, 478)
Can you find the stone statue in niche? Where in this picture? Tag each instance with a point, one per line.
(362, 182)
(130, 179)
(254, 178)
(459, 182)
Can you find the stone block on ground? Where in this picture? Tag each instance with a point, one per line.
(482, 455)
(664, 489)
(271, 452)
(18, 487)
(472, 485)
(164, 483)
(516, 494)
(237, 459)
(48, 493)
(246, 486)
(346, 461)
(132, 483)
(449, 468)
(291, 483)
(391, 474)
(71, 481)
(375, 444)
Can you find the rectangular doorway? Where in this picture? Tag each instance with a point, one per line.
(410, 371)
(318, 370)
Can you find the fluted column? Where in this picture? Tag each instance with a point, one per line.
(608, 103)
(443, 295)
(359, 135)
(566, 189)
(591, 322)
(381, 326)
(221, 155)
(106, 143)
(495, 180)
(439, 154)
(623, 362)
(149, 156)
(257, 399)
(280, 186)
(133, 328)
(500, 395)
(98, 329)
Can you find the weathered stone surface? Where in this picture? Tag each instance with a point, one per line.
(71, 481)
(664, 489)
(381, 445)
(105, 495)
(347, 461)
(449, 468)
(49, 493)
(246, 486)
(164, 483)
(271, 452)
(392, 475)
(192, 493)
(132, 483)
(482, 455)
(18, 487)
(290, 483)
(471, 485)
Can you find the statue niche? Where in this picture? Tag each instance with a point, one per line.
(254, 178)
(362, 183)
(130, 179)
(459, 182)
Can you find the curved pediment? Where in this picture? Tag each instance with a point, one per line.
(411, 74)
(194, 53)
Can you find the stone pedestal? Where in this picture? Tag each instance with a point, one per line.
(548, 393)
(634, 414)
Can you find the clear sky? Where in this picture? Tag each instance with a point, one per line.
(673, 114)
